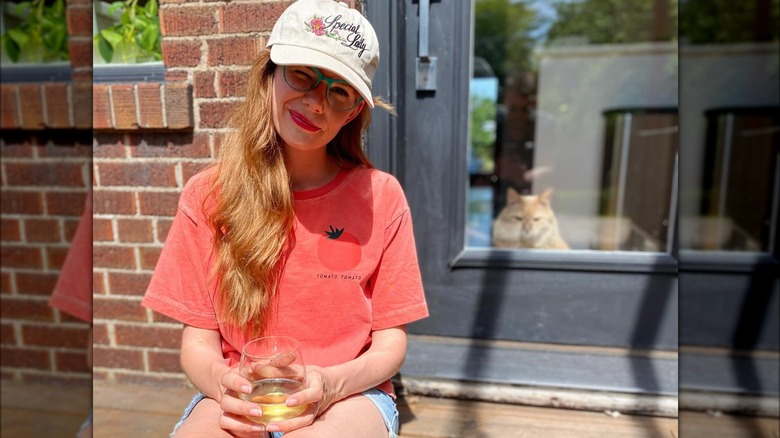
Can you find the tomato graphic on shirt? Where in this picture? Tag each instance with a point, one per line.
(338, 250)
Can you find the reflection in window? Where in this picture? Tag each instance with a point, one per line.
(573, 136)
(126, 32)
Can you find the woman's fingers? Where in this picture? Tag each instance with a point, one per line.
(239, 426)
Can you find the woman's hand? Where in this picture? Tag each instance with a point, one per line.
(235, 410)
(319, 395)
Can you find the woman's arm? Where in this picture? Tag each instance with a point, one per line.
(202, 361)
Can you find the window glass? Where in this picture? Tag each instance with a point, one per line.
(126, 32)
(33, 32)
(573, 135)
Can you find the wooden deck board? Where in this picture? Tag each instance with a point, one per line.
(124, 411)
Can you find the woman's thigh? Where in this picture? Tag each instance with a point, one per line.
(354, 417)
(203, 422)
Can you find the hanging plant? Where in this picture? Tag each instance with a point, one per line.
(42, 36)
(135, 38)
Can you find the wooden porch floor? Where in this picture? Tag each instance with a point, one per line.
(123, 411)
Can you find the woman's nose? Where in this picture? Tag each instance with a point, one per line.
(317, 97)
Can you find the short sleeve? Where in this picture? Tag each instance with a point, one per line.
(397, 295)
(180, 284)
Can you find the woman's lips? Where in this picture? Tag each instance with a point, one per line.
(303, 122)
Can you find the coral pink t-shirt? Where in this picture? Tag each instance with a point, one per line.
(353, 269)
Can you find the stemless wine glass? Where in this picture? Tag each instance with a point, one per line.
(275, 367)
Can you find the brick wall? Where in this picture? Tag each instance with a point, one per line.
(45, 171)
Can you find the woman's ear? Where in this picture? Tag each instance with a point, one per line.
(355, 111)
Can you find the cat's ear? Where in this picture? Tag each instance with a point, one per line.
(545, 196)
(512, 196)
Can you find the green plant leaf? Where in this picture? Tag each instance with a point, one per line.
(105, 49)
(151, 8)
(12, 49)
(22, 8)
(58, 8)
(114, 6)
(149, 38)
(111, 37)
(20, 38)
(54, 39)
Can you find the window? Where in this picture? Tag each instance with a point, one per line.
(573, 126)
(125, 49)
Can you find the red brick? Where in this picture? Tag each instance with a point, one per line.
(7, 335)
(188, 21)
(204, 84)
(150, 105)
(42, 230)
(25, 309)
(163, 227)
(126, 283)
(75, 149)
(176, 75)
(57, 105)
(190, 169)
(113, 202)
(98, 284)
(159, 317)
(171, 145)
(54, 336)
(149, 257)
(233, 51)
(44, 174)
(150, 337)
(32, 109)
(102, 230)
(137, 174)
(9, 116)
(105, 256)
(25, 358)
(166, 362)
(181, 54)
(35, 283)
(20, 257)
(5, 283)
(178, 105)
(65, 203)
(233, 83)
(79, 21)
(16, 150)
(67, 362)
(21, 202)
(101, 107)
(80, 51)
(215, 114)
(100, 334)
(69, 227)
(81, 95)
(9, 230)
(117, 358)
(123, 104)
(55, 256)
(158, 203)
(134, 230)
(118, 309)
(109, 145)
(251, 17)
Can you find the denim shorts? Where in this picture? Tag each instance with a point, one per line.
(382, 400)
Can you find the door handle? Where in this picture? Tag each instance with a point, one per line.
(426, 64)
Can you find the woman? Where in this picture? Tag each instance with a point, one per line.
(294, 233)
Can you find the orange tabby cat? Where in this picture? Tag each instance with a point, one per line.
(527, 222)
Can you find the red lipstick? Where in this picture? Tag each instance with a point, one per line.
(303, 122)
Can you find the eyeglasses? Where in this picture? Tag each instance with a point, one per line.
(341, 95)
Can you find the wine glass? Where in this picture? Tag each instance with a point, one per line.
(275, 367)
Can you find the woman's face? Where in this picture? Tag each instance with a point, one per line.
(305, 120)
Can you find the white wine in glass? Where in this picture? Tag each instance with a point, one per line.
(271, 395)
(275, 367)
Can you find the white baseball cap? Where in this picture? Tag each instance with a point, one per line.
(328, 35)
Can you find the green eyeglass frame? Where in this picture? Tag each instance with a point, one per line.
(328, 81)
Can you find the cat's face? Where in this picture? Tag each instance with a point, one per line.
(530, 216)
